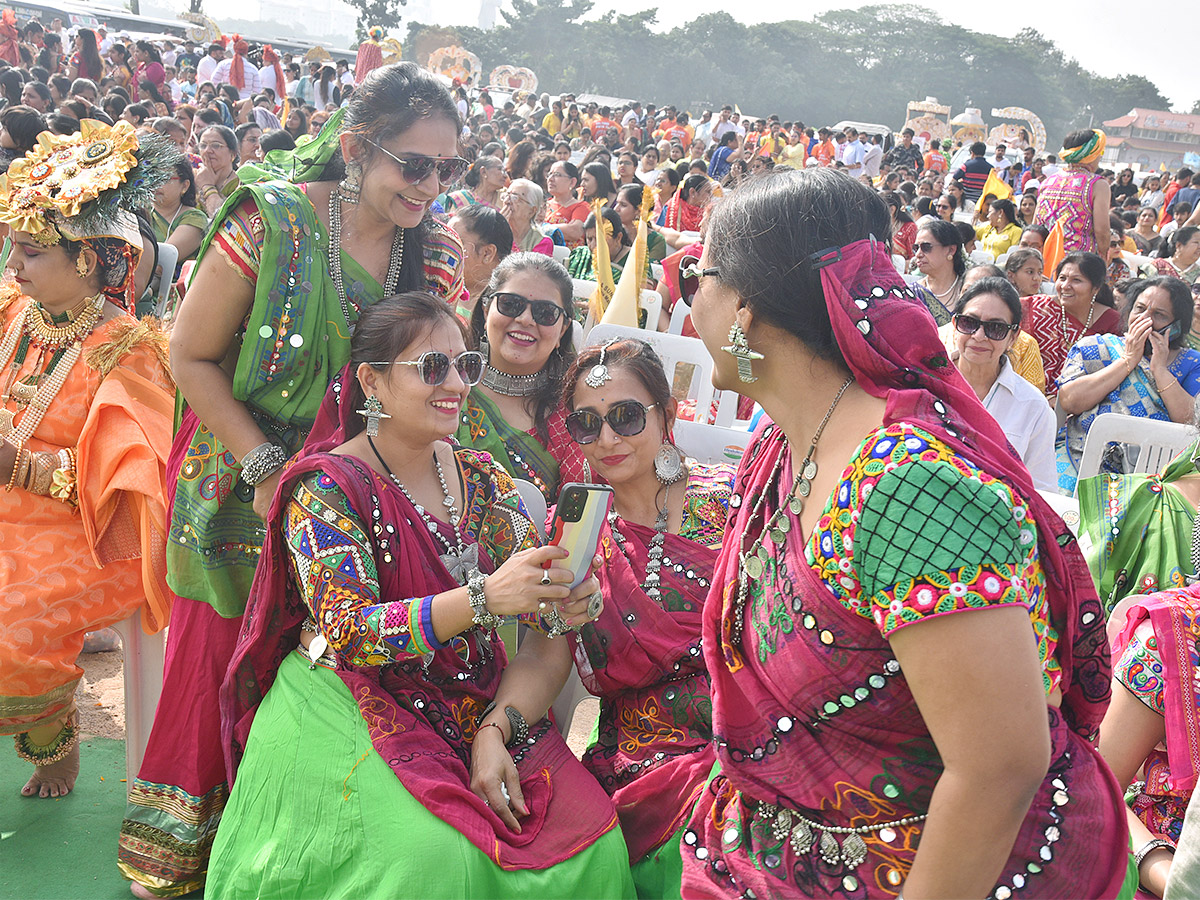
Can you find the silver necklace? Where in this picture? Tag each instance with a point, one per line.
(752, 563)
(395, 260)
(459, 560)
(513, 385)
(650, 584)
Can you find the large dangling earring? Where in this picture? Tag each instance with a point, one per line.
(372, 411)
(81, 265)
(351, 183)
(668, 464)
(740, 350)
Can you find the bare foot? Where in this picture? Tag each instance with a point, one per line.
(142, 892)
(55, 780)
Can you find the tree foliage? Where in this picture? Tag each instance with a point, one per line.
(863, 64)
(384, 13)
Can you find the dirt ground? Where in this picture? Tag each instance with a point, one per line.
(101, 701)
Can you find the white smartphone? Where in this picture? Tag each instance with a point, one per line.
(578, 519)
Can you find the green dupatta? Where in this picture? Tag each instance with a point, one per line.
(1137, 530)
(483, 427)
(294, 344)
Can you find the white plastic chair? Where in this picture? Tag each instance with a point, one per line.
(1066, 507)
(559, 252)
(168, 259)
(656, 271)
(711, 443)
(583, 288)
(1158, 442)
(144, 654)
(680, 313)
(899, 262)
(982, 257)
(650, 301)
(675, 350)
(535, 503)
(1002, 259)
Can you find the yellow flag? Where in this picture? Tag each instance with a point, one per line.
(601, 265)
(997, 188)
(624, 307)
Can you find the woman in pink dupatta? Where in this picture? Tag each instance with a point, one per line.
(1153, 724)
(642, 656)
(906, 651)
(368, 707)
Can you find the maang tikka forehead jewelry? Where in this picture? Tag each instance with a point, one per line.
(599, 374)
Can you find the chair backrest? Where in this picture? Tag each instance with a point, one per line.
(535, 502)
(168, 259)
(685, 360)
(559, 252)
(1002, 259)
(651, 302)
(711, 443)
(679, 314)
(982, 257)
(1157, 442)
(656, 271)
(899, 262)
(1066, 507)
(583, 288)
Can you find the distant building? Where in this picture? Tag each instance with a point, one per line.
(1152, 138)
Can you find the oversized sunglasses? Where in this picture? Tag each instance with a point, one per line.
(434, 366)
(993, 330)
(690, 274)
(925, 246)
(415, 167)
(545, 312)
(626, 418)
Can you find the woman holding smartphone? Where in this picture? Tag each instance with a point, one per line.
(370, 665)
(642, 655)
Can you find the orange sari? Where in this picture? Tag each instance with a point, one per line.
(65, 571)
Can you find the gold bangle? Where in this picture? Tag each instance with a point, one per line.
(1174, 383)
(12, 479)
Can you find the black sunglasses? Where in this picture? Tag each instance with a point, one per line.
(545, 312)
(416, 167)
(690, 274)
(626, 418)
(993, 330)
(925, 246)
(434, 366)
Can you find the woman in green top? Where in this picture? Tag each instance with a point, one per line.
(263, 330)
(627, 206)
(579, 263)
(177, 221)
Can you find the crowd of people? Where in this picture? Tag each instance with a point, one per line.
(375, 340)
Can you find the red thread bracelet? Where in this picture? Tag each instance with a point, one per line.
(491, 725)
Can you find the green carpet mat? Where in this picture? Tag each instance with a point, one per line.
(64, 849)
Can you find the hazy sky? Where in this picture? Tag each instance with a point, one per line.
(1107, 41)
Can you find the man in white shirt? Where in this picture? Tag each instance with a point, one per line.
(853, 153)
(208, 65)
(1000, 162)
(723, 124)
(251, 83)
(704, 128)
(168, 54)
(872, 156)
(104, 41)
(173, 84)
(345, 76)
(631, 117)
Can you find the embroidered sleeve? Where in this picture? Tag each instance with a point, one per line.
(443, 253)
(933, 540)
(333, 564)
(706, 504)
(1140, 668)
(239, 238)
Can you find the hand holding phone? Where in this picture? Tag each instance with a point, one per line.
(578, 520)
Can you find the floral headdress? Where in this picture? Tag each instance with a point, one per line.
(84, 187)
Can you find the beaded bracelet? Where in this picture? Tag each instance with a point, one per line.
(12, 479)
(262, 462)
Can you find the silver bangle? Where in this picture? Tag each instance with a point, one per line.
(483, 617)
(262, 462)
(1149, 847)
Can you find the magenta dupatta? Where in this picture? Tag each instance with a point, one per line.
(643, 659)
(813, 712)
(1175, 617)
(421, 718)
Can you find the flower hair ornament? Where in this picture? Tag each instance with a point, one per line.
(84, 187)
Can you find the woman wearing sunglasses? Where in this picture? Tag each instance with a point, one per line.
(986, 325)
(938, 256)
(523, 328)
(643, 652)
(894, 709)
(372, 671)
(1149, 371)
(264, 327)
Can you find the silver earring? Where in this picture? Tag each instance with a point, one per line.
(668, 464)
(351, 183)
(740, 350)
(372, 411)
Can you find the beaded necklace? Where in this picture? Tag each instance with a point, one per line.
(64, 342)
(395, 260)
(753, 562)
(459, 560)
(1068, 341)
